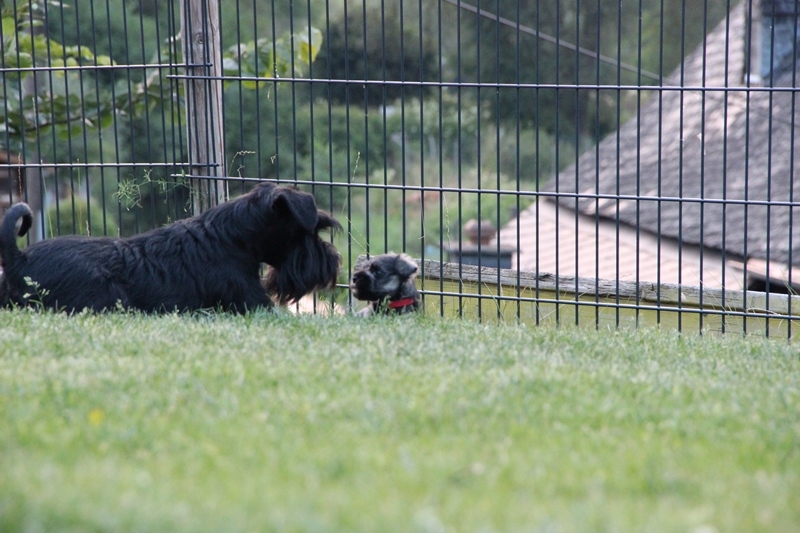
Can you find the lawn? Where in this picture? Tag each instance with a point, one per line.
(273, 422)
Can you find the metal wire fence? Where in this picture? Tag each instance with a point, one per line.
(580, 162)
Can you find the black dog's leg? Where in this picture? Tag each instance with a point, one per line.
(255, 298)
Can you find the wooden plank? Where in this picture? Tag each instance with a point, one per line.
(548, 308)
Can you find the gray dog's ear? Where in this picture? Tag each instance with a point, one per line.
(405, 266)
(297, 205)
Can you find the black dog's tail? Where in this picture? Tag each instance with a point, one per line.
(9, 251)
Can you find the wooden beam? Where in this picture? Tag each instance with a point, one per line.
(649, 293)
(202, 53)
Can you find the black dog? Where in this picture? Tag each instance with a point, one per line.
(387, 283)
(210, 261)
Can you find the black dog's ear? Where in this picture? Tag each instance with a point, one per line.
(326, 221)
(298, 206)
(405, 266)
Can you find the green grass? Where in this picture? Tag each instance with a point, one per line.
(271, 422)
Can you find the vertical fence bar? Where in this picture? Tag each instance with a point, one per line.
(200, 37)
(725, 96)
(577, 139)
(597, 136)
(792, 163)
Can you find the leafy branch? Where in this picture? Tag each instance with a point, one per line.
(44, 87)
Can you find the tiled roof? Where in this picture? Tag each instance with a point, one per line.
(689, 150)
(558, 240)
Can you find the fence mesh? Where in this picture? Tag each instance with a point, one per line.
(578, 162)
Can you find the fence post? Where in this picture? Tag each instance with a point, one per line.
(200, 37)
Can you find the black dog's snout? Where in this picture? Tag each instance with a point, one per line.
(358, 276)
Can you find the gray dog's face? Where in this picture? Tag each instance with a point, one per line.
(384, 276)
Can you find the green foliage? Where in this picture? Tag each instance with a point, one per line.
(288, 56)
(346, 146)
(27, 108)
(123, 422)
(430, 219)
(91, 115)
(71, 103)
(318, 142)
(378, 41)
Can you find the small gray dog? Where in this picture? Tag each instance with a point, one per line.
(387, 283)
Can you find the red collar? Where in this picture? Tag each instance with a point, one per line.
(405, 302)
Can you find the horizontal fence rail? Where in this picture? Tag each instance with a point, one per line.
(505, 192)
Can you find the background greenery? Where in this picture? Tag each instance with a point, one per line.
(340, 133)
(300, 423)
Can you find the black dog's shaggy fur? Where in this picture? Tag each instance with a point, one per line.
(209, 261)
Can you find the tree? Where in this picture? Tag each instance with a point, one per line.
(30, 104)
(544, 49)
(46, 84)
(379, 41)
